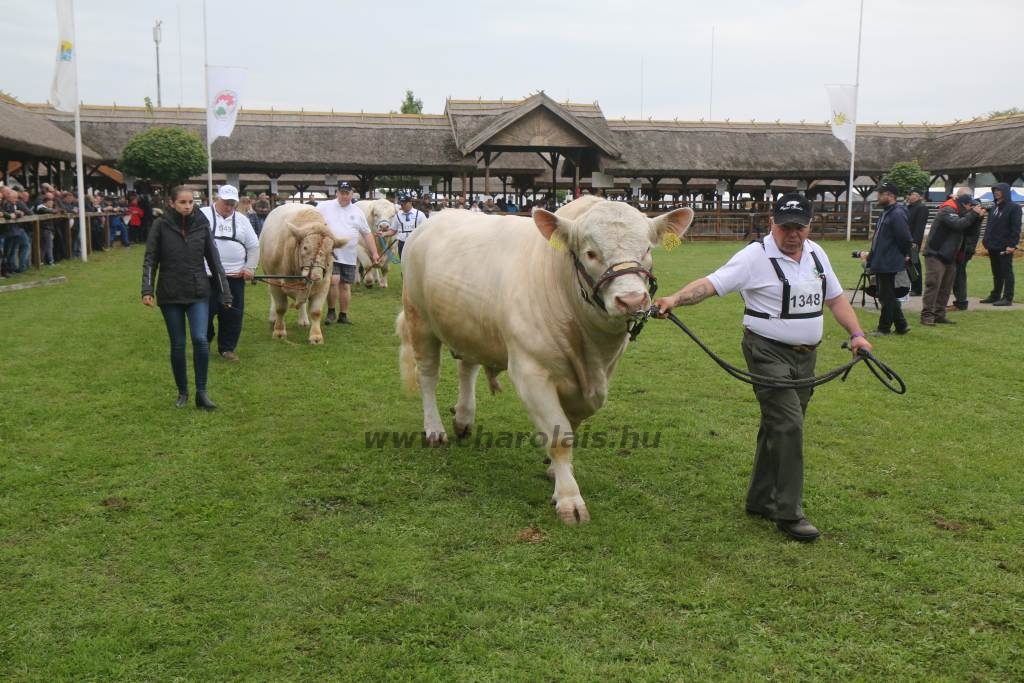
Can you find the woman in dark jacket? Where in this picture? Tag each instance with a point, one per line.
(178, 244)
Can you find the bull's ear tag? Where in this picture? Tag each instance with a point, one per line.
(556, 243)
(670, 241)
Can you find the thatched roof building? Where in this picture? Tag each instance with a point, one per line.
(25, 134)
(536, 141)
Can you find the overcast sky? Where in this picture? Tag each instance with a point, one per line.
(931, 61)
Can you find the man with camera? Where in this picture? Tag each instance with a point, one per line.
(955, 217)
(1002, 235)
(890, 250)
(963, 257)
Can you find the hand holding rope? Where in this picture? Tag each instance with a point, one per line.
(882, 372)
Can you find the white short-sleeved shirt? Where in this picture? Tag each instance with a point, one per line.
(751, 273)
(404, 223)
(236, 241)
(348, 222)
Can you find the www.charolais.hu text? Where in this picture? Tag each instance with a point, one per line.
(616, 438)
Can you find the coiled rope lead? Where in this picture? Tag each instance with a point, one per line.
(886, 375)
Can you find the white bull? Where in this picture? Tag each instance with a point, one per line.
(296, 242)
(378, 213)
(497, 294)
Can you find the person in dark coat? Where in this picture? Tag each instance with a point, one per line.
(954, 218)
(890, 249)
(178, 244)
(963, 257)
(917, 218)
(1002, 235)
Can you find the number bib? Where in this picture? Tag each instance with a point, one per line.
(804, 299)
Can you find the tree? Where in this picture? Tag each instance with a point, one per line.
(412, 105)
(908, 174)
(168, 156)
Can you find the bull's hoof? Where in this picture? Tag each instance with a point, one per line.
(462, 430)
(303, 324)
(435, 439)
(572, 510)
(316, 341)
(280, 334)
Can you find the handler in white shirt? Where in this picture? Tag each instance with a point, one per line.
(239, 250)
(405, 221)
(346, 220)
(785, 281)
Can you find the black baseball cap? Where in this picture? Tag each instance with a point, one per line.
(404, 197)
(343, 186)
(915, 189)
(792, 208)
(890, 188)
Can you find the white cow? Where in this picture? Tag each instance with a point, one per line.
(497, 294)
(379, 213)
(296, 242)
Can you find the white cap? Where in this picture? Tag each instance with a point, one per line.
(228, 193)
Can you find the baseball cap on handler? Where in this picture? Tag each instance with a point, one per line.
(890, 188)
(915, 190)
(343, 186)
(228, 193)
(792, 208)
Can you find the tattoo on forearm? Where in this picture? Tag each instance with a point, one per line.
(694, 294)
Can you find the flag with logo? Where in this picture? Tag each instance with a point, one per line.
(224, 85)
(843, 100)
(64, 89)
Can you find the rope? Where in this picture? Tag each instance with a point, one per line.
(886, 375)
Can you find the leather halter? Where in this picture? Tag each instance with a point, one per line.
(317, 260)
(615, 270)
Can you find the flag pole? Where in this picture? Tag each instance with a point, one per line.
(853, 144)
(79, 165)
(206, 98)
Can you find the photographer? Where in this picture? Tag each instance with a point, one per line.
(890, 250)
(963, 256)
(955, 217)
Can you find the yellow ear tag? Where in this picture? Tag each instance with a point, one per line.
(556, 243)
(670, 241)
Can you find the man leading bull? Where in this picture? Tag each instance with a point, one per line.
(785, 280)
(239, 250)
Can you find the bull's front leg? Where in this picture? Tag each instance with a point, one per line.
(540, 396)
(278, 308)
(465, 409)
(316, 312)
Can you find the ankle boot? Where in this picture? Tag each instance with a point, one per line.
(182, 399)
(203, 401)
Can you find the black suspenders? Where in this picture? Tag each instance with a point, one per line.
(786, 315)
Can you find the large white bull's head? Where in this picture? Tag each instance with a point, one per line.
(610, 244)
(315, 251)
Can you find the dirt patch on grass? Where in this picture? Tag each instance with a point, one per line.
(115, 503)
(531, 534)
(948, 525)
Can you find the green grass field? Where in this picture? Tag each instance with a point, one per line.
(264, 541)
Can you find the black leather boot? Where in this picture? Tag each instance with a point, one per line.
(182, 399)
(203, 401)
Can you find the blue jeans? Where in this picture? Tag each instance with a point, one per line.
(118, 228)
(198, 314)
(18, 249)
(229, 319)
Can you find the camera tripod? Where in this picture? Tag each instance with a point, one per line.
(863, 284)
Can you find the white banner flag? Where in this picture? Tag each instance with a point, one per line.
(64, 90)
(843, 100)
(224, 85)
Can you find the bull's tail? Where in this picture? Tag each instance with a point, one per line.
(406, 355)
